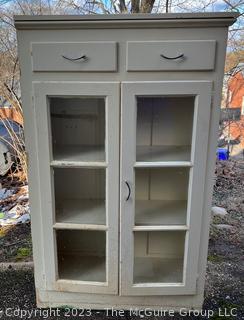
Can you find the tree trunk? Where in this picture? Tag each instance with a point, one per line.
(122, 6)
(146, 6)
(135, 6)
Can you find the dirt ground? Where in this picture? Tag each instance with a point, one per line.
(15, 245)
(225, 271)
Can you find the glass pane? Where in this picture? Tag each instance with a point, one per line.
(81, 255)
(80, 195)
(164, 128)
(161, 196)
(158, 256)
(78, 128)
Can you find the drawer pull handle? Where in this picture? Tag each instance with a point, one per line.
(172, 58)
(84, 57)
(129, 190)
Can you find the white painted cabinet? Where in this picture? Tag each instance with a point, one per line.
(121, 127)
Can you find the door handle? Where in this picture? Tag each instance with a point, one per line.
(129, 190)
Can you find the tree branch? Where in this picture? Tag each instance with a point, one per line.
(13, 93)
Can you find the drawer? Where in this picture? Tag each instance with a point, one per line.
(170, 55)
(74, 56)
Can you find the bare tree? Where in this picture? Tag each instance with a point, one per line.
(9, 64)
(9, 74)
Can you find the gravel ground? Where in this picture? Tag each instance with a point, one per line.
(225, 272)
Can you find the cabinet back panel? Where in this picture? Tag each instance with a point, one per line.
(166, 244)
(79, 183)
(81, 241)
(165, 120)
(161, 184)
(77, 121)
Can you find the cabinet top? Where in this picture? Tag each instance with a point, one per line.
(213, 19)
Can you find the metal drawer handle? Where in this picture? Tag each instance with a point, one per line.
(84, 57)
(172, 58)
(129, 190)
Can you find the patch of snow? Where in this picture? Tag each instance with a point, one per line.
(224, 227)
(5, 193)
(24, 218)
(18, 214)
(23, 197)
(218, 211)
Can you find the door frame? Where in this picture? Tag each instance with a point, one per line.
(111, 92)
(197, 166)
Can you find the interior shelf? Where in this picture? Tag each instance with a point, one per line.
(79, 153)
(80, 195)
(81, 212)
(161, 196)
(83, 268)
(162, 153)
(160, 212)
(157, 270)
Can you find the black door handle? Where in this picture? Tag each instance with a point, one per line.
(129, 190)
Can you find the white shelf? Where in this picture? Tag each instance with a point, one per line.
(78, 153)
(161, 228)
(158, 270)
(73, 211)
(163, 164)
(163, 153)
(78, 226)
(160, 212)
(78, 164)
(82, 268)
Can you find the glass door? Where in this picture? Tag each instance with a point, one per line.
(78, 146)
(164, 147)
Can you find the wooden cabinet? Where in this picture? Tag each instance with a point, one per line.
(121, 128)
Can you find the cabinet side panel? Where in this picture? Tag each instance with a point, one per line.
(211, 160)
(33, 161)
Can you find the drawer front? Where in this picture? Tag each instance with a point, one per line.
(74, 56)
(170, 55)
